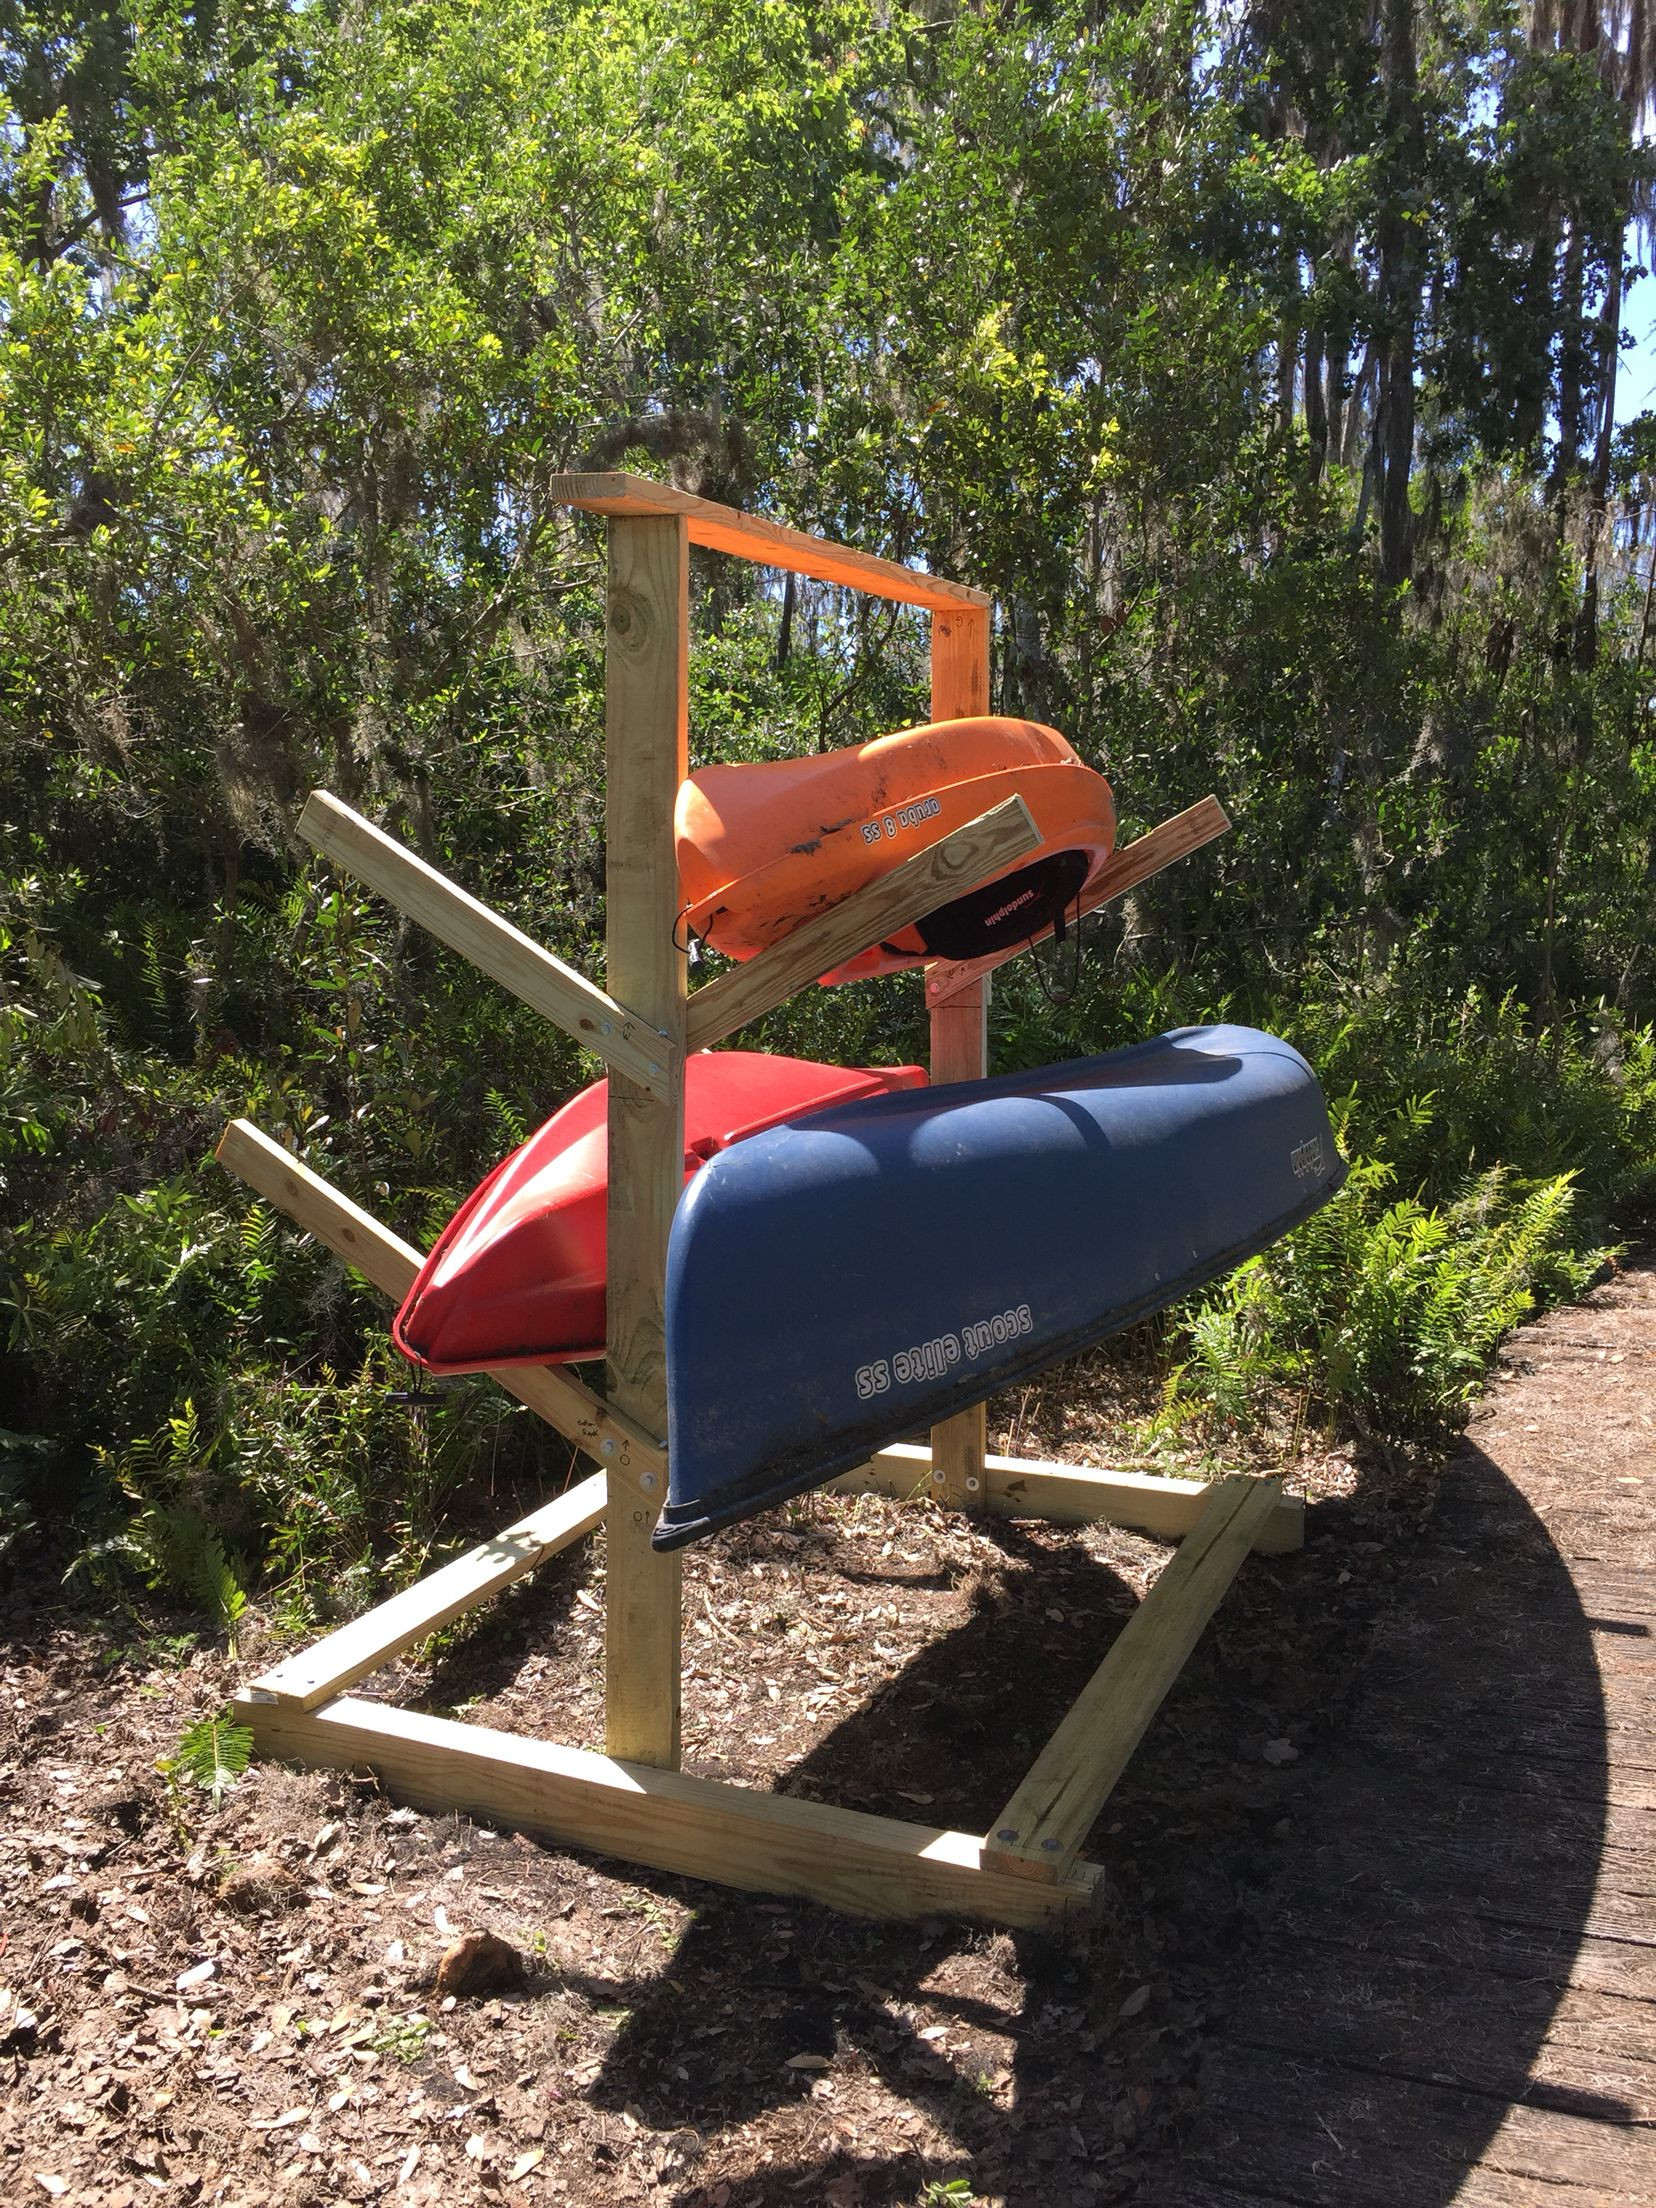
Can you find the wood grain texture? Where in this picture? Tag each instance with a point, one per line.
(769, 543)
(945, 869)
(960, 1052)
(1073, 1495)
(624, 1449)
(626, 1043)
(960, 1029)
(1042, 1827)
(959, 663)
(340, 1659)
(646, 692)
(1135, 862)
(701, 1828)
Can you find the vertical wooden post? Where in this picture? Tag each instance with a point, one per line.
(646, 758)
(960, 1027)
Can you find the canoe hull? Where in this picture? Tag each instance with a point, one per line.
(835, 1286)
(518, 1275)
(766, 845)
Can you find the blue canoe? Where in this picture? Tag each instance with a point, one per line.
(852, 1277)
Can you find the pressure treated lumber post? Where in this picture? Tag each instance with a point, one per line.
(646, 661)
(960, 1028)
(699, 1828)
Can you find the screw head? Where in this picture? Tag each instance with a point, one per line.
(971, 1483)
(646, 1481)
(1007, 1832)
(609, 1448)
(1052, 1846)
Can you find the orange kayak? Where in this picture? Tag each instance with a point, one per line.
(767, 845)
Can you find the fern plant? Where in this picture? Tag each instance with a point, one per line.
(212, 1754)
(169, 1539)
(181, 1553)
(1385, 1310)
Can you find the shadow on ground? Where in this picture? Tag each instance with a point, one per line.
(1390, 1916)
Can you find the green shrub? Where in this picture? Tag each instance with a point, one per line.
(1379, 1311)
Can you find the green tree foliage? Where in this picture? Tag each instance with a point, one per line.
(1261, 360)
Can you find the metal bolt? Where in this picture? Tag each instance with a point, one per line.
(646, 1481)
(655, 1069)
(1052, 1846)
(1007, 1832)
(971, 1483)
(609, 1448)
(604, 1027)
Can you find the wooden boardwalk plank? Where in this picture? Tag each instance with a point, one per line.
(1454, 2000)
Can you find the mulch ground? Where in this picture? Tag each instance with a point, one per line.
(250, 2004)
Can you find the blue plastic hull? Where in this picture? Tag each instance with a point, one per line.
(858, 1275)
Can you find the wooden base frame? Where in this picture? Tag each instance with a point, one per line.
(1026, 1869)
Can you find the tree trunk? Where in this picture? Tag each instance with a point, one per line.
(1634, 94)
(1399, 303)
(784, 639)
(1316, 408)
(1287, 373)
(1609, 352)
(1571, 365)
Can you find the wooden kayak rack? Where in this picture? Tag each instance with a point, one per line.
(634, 1801)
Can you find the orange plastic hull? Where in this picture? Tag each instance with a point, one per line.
(765, 846)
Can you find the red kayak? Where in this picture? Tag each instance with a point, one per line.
(517, 1276)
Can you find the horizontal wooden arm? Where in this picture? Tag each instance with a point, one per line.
(945, 869)
(1173, 840)
(698, 1828)
(384, 1259)
(625, 1042)
(769, 543)
(1070, 1495)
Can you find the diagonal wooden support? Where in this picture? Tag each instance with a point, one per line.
(340, 1659)
(701, 1828)
(627, 1044)
(623, 1449)
(1164, 846)
(1040, 1831)
(945, 869)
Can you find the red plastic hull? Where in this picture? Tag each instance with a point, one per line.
(517, 1276)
